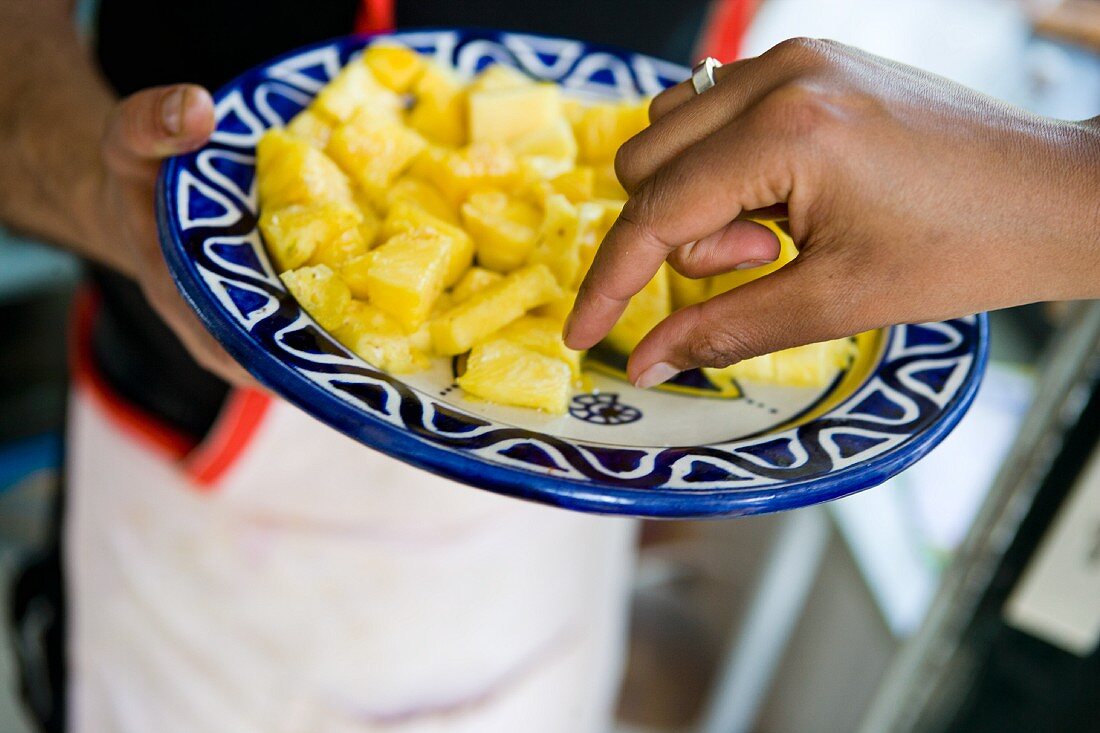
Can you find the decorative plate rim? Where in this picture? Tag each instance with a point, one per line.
(600, 496)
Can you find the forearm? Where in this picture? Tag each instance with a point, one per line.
(53, 108)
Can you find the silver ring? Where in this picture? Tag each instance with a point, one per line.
(702, 76)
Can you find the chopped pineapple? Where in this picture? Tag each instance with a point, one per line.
(498, 77)
(508, 374)
(504, 115)
(458, 172)
(379, 340)
(374, 152)
(291, 171)
(730, 280)
(813, 365)
(403, 217)
(603, 128)
(355, 91)
(544, 336)
(685, 290)
(607, 183)
(300, 233)
(405, 275)
(496, 306)
(559, 308)
(440, 110)
(504, 229)
(578, 184)
(396, 67)
(474, 281)
(311, 127)
(321, 292)
(555, 140)
(420, 193)
(566, 231)
(646, 309)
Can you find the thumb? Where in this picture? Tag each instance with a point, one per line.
(158, 123)
(798, 304)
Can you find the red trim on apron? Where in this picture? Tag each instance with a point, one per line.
(131, 419)
(375, 16)
(725, 29)
(205, 462)
(237, 424)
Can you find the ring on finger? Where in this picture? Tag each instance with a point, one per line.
(702, 76)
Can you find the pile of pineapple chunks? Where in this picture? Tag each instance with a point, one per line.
(415, 215)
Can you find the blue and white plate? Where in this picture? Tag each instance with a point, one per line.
(690, 450)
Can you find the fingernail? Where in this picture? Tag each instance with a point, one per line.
(749, 264)
(657, 374)
(171, 110)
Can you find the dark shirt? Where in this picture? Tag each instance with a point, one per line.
(143, 43)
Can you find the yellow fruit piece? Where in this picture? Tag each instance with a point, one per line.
(503, 372)
(544, 336)
(404, 217)
(496, 77)
(420, 193)
(493, 308)
(607, 183)
(458, 172)
(405, 275)
(735, 278)
(646, 309)
(505, 115)
(355, 273)
(311, 127)
(474, 281)
(299, 233)
(578, 185)
(396, 67)
(374, 152)
(371, 224)
(604, 127)
(503, 229)
(567, 239)
(813, 365)
(439, 112)
(573, 109)
(291, 171)
(554, 140)
(379, 340)
(320, 292)
(355, 90)
(559, 308)
(685, 290)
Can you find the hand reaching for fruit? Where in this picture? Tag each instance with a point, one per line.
(910, 199)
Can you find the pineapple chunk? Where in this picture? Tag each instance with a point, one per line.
(396, 67)
(311, 127)
(646, 309)
(504, 115)
(421, 194)
(685, 290)
(355, 91)
(440, 110)
(379, 340)
(604, 127)
(374, 152)
(503, 229)
(405, 275)
(607, 183)
(403, 217)
(555, 140)
(323, 295)
(503, 372)
(812, 365)
(291, 171)
(567, 240)
(355, 273)
(559, 308)
(370, 225)
(458, 172)
(544, 336)
(730, 280)
(498, 77)
(496, 306)
(475, 280)
(299, 233)
(578, 184)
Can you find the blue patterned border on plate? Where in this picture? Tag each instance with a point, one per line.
(206, 210)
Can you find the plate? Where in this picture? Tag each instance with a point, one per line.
(692, 449)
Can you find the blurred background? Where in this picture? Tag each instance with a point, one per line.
(945, 600)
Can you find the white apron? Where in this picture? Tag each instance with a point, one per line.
(281, 578)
